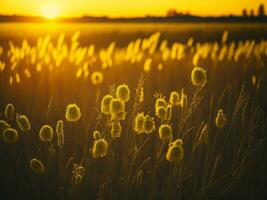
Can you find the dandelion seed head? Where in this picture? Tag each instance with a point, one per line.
(9, 111)
(123, 93)
(73, 113)
(116, 106)
(174, 98)
(46, 133)
(37, 166)
(165, 132)
(105, 104)
(199, 76)
(100, 148)
(3, 125)
(161, 112)
(139, 123)
(23, 123)
(97, 77)
(175, 151)
(149, 124)
(10, 135)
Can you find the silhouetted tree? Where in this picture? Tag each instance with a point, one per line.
(261, 10)
(251, 13)
(244, 13)
(171, 13)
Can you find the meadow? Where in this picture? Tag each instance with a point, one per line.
(133, 111)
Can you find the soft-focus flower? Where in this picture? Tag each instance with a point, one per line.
(23, 123)
(105, 104)
(149, 124)
(97, 77)
(9, 111)
(100, 148)
(175, 151)
(46, 133)
(10, 135)
(123, 92)
(116, 106)
(139, 123)
(174, 98)
(73, 113)
(199, 76)
(165, 132)
(37, 166)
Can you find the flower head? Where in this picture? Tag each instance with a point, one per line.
(116, 106)
(123, 92)
(199, 76)
(46, 133)
(100, 148)
(73, 113)
(175, 151)
(105, 104)
(165, 132)
(139, 123)
(10, 135)
(174, 98)
(3, 125)
(9, 111)
(97, 77)
(23, 123)
(149, 124)
(37, 166)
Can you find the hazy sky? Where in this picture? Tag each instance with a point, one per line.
(126, 7)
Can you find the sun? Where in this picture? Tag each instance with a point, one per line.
(50, 11)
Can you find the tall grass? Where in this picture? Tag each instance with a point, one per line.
(70, 147)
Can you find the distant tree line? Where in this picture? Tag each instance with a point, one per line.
(261, 12)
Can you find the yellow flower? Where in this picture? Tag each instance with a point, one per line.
(175, 151)
(139, 123)
(149, 124)
(105, 104)
(23, 123)
(160, 102)
(46, 133)
(165, 132)
(37, 166)
(73, 113)
(199, 76)
(3, 125)
(10, 135)
(161, 112)
(123, 92)
(116, 106)
(9, 111)
(174, 98)
(97, 77)
(100, 148)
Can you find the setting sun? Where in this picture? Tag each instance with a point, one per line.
(50, 11)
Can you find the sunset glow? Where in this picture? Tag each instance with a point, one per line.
(114, 8)
(50, 11)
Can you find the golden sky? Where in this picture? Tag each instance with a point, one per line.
(115, 8)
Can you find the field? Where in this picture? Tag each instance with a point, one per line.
(133, 111)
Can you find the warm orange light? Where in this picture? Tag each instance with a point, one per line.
(50, 11)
